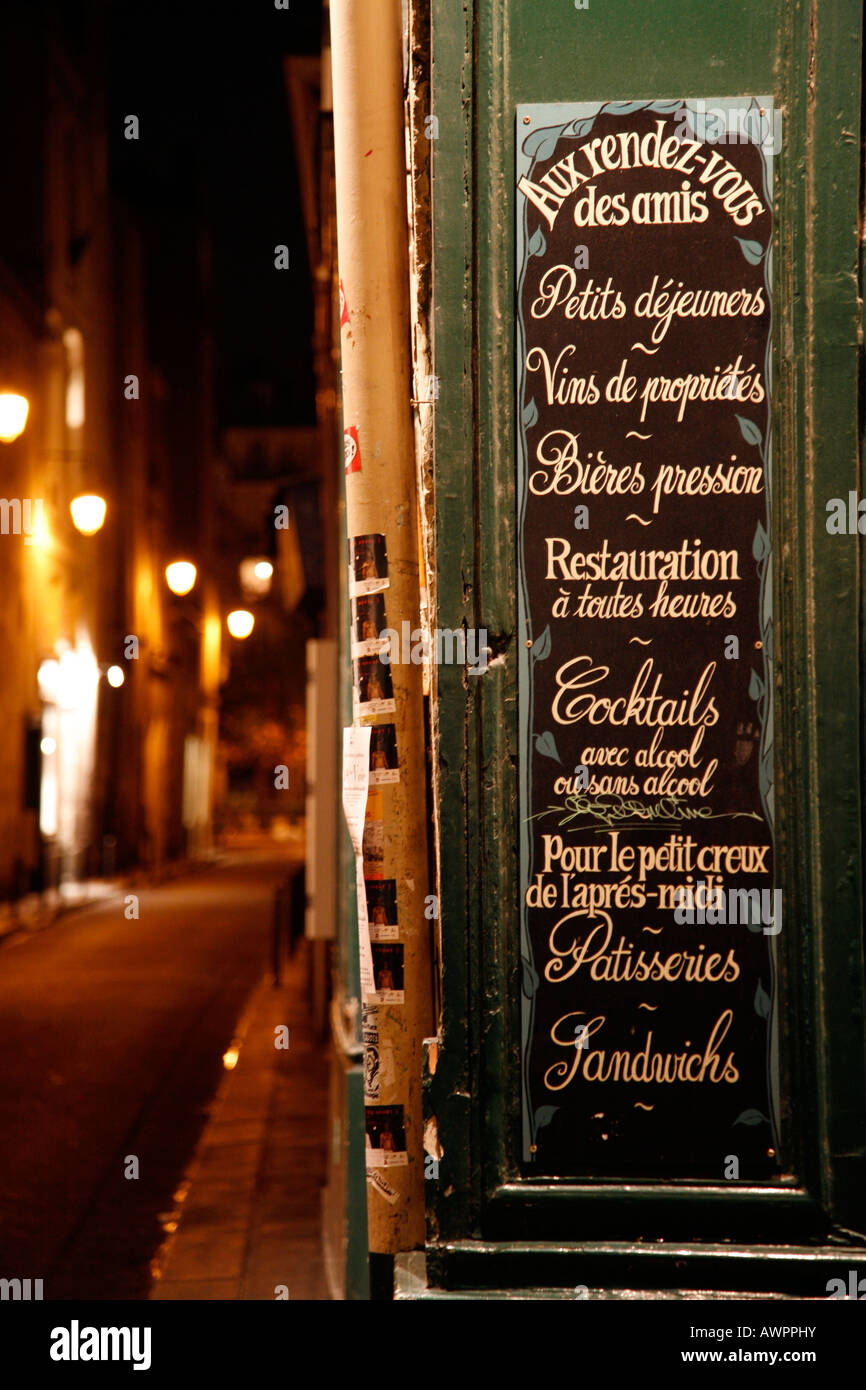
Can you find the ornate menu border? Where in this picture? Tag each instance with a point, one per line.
(548, 122)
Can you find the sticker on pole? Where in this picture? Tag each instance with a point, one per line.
(372, 687)
(369, 625)
(351, 450)
(384, 767)
(385, 1136)
(388, 971)
(370, 1039)
(383, 1187)
(382, 908)
(368, 565)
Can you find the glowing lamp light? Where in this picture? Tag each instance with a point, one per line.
(240, 623)
(78, 681)
(256, 573)
(115, 676)
(88, 513)
(180, 576)
(13, 415)
(48, 746)
(49, 680)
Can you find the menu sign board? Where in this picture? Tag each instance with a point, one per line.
(650, 922)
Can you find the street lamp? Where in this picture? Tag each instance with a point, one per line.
(180, 576)
(13, 415)
(115, 676)
(88, 513)
(240, 622)
(48, 677)
(256, 573)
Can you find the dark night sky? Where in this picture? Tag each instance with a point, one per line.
(206, 82)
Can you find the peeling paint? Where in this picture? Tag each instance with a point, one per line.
(431, 1139)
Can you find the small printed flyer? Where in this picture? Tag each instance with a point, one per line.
(373, 688)
(384, 767)
(368, 565)
(388, 971)
(368, 621)
(382, 908)
(385, 1136)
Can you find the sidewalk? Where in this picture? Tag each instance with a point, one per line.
(248, 1214)
(37, 910)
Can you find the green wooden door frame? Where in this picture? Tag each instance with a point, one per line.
(487, 56)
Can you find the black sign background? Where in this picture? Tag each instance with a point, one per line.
(578, 1123)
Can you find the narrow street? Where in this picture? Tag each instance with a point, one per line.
(112, 1033)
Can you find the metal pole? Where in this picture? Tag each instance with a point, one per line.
(372, 239)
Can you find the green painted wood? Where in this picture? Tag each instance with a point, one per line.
(831, 599)
(619, 1211)
(487, 56)
(788, 1270)
(456, 424)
